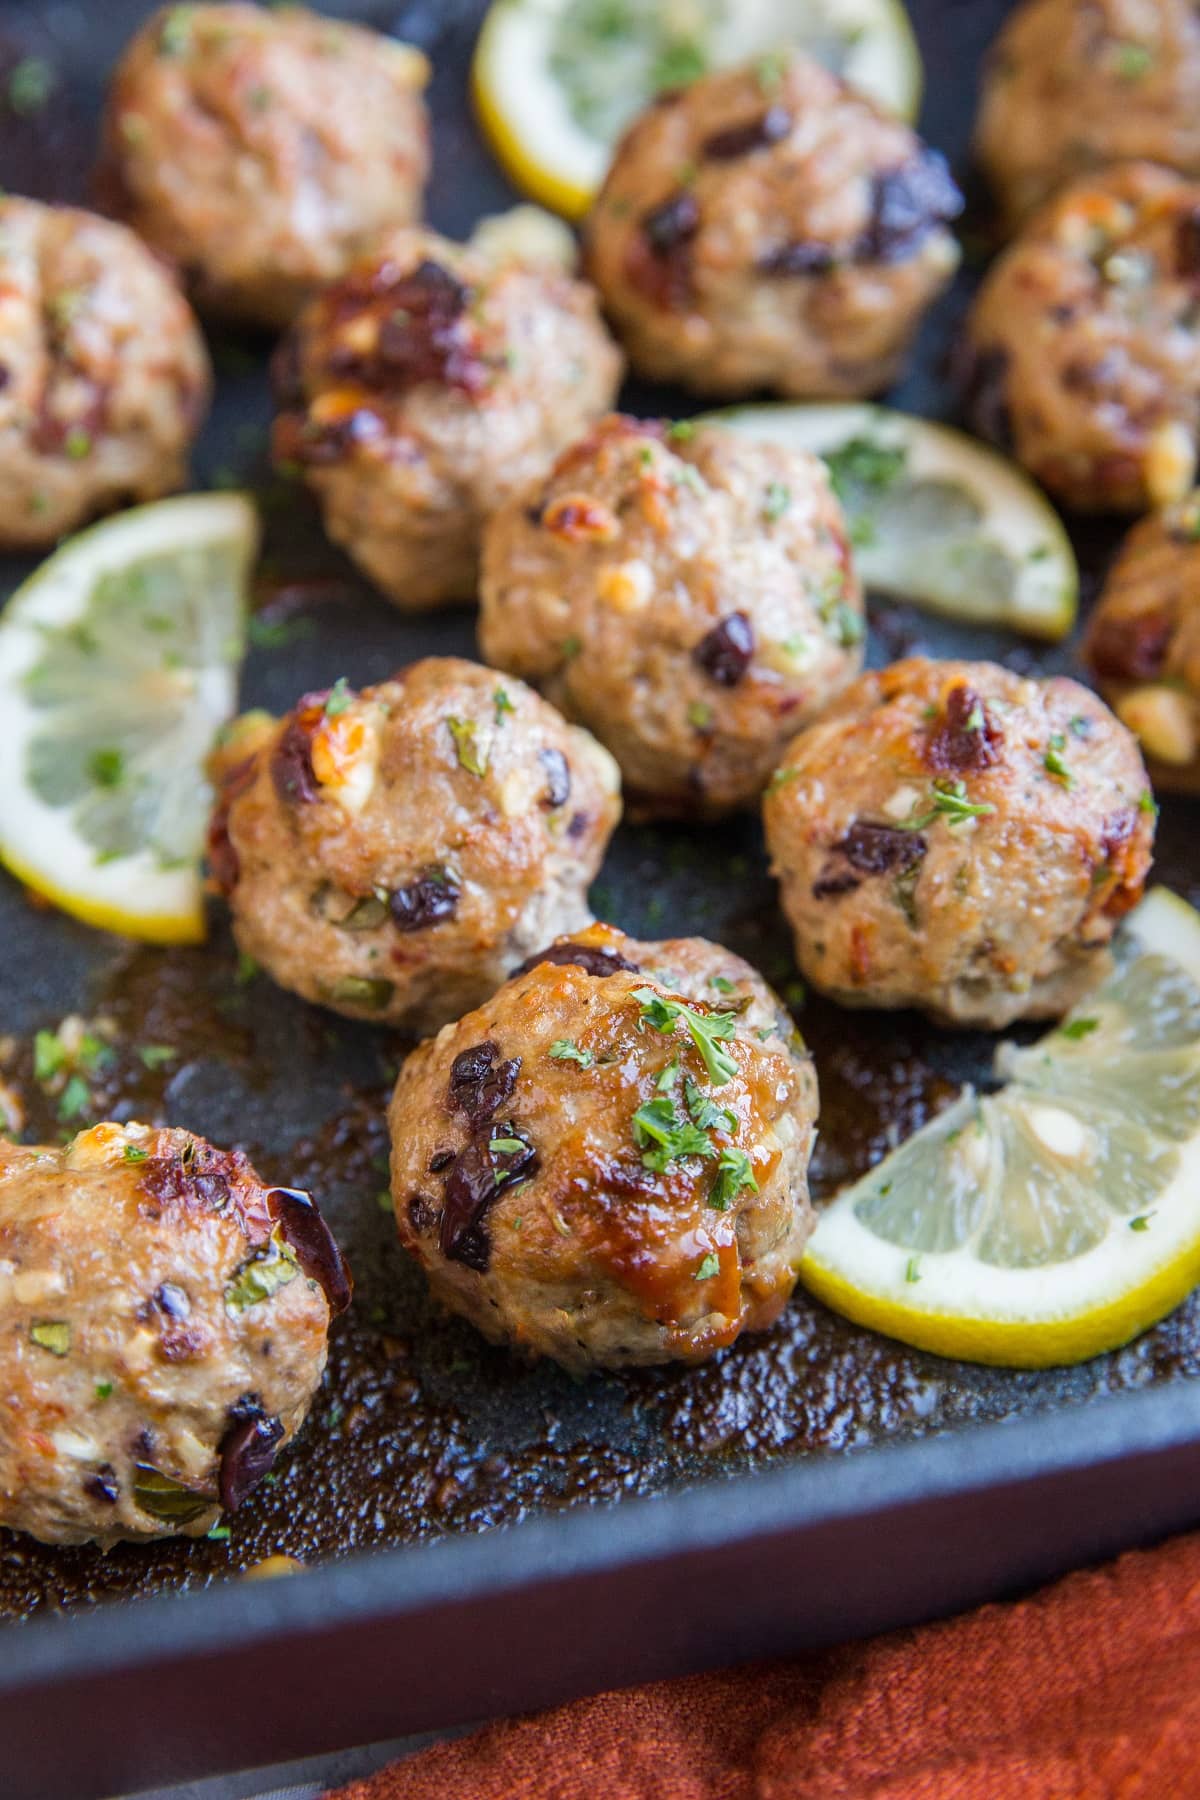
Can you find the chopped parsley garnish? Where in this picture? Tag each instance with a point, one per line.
(77, 443)
(339, 698)
(707, 1030)
(156, 1056)
(74, 1099)
(276, 634)
(770, 69)
(218, 1534)
(780, 778)
(658, 1124)
(682, 431)
(107, 768)
(700, 715)
(709, 1266)
(778, 499)
(864, 465)
(507, 1146)
(1133, 61)
(134, 1153)
(472, 756)
(703, 1109)
(1053, 762)
(503, 704)
(176, 32)
(912, 1269)
(1142, 1222)
(722, 984)
(103, 1390)
(563, 1050)
(1078, 1028)
(947, 800)
(1147, 803)
(734, 1173)
(53, 1335)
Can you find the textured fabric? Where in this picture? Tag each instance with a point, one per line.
(1090, 1690)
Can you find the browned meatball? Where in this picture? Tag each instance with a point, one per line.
(261, 151)
(1073, 84)
(427, 387)
(1083, 346)
(957, 838)
(163, 1321)
(686, 594)
(104, 378)
(1143, 641)
(607, 1163)
(769, 227)
(394, 853)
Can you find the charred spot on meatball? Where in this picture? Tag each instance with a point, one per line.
(591, 958)
(726, 652)
(965, 736)
(756, 134)
(430, 899)
(247, 1452)
(479, 1084)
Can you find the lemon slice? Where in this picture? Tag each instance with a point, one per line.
(556, 81)
(1060, 1216)
(118, 662)
(935, 517)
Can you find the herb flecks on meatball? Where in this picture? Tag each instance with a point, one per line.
(769, 227)
(260, 151)
(93, 413)
(1143, 640)
(686, 594)
(426, 389)
(607, 1163)
(164, 1318)
(957, 838)
(393, 853)
(1082, 350)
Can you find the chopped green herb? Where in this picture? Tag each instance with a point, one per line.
(658, 1123)
(219, 1534)
(165, 1498)
(571, 646)
(1079, 726)
(682, 431)
(770, 69)
(53, 1335)
(707, 1030)
(1133, 61)
(503, 704)
(246, 970)
(74, 1100)
(862, 464)
(704, 1110)
(780, 778)
(103, 1390)
(778, 499)
(563, 1050)
(471, 755)
(700, 715)
(709, 1266)
(507, 1146)
(912, 1269)
(1053, 762)
(1078, 1028)
(107, 768)
(261, 1275)
(276, 634)
(134, 1153)
(175, 35)
(49, 1055)
(77, 443)
(30, 85)
(1147, 803)
(340, 697)
(156, 1056)
(722, 984)
(948, 799)
(1142, 1222)
(734, 1172)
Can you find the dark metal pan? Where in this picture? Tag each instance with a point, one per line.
(808, 1485)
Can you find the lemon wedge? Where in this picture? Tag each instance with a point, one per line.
(935, 517)
(555, 82)
(118, 663)
(1060, 1216)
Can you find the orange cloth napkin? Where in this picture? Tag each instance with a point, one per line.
(1090, 1690)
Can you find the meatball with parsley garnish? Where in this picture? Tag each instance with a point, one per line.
(607, 1163)
(1143, 641)
(104, 377)
(1071, 85)
(163, 1326)
(422, 391)
(960, 839)
(1082, 352)
(261, 151)
(686, 594)
(393, 853)
(769, 227)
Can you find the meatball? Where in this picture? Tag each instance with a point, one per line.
(261, 151)
(1143, 641)
(424, 389)
(104, 378)
(1073, 84)
(1083, 345)
(394, 853)
(958, 838)
(686, 594)
(163, 1321)
(769, 227)
(607, 1164)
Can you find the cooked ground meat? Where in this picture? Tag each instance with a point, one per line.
(394, 853)
(163, 1321)
(261, 151)
(607, 1163)
(1083, 346)
(1143, 641)
(686, 594)
(104, 378)
(1071, 85)
(957, 838)
(769, 227)
(422, 391)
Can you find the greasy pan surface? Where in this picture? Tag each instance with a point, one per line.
(422, 1430)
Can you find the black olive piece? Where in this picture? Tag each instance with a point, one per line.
(726, 652)
(588, 957)
(247, 1451)
(312, 1244)
(479, 1084)
(172, 1300)
(907, 204)
(291, 765)
(431, 898)
(671, 224)
(474, 1182)
(558, 778)
(103, 1485)
(755, 134)
(877, 849)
